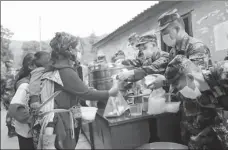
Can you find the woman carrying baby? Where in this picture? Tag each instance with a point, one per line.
(18, 108)
(59, 130)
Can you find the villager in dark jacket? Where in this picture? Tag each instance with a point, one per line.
(155, 61)
(64, 78)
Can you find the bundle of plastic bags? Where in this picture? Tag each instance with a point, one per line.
(160, 102)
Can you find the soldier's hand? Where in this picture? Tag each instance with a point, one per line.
(158, 82)
(125, 75)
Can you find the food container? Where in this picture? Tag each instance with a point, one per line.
(163, 145)
(136, 109)
(145, 103)
(88, 113)
(136, 98)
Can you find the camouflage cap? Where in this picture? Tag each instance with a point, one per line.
(132, 36)
(119, 53)
(100, 54)
(177, 67)
(166, 18)
(147, 38)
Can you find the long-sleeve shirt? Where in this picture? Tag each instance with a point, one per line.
(206, 118)
(73, 90)
(193, 49)
(156, 64)
(18, 109)
(73, 85)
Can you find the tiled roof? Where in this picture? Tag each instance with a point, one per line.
(137, 16)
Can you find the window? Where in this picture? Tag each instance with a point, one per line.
(188, 28)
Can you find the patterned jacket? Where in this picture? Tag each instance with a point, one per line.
(156, 64)
(203, 124)
(194, 49)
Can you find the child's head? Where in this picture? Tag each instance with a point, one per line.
(42, 59)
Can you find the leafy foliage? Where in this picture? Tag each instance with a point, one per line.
(6, 35)
(34, 46)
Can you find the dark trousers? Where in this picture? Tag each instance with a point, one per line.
(169, 128)
(153, 130)
(69, 141)
(25, 143)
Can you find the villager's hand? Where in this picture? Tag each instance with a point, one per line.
(35, 105)
(158, 82)
(126, 74)
(115, 88)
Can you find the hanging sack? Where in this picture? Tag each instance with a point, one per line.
(157, 102)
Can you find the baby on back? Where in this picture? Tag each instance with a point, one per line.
(41, 61)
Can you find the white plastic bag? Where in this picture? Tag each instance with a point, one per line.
(157, 102)
(116, 106)
(172, 107)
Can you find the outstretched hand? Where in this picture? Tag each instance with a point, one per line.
(125, 74)
(115, 87)
(158, 82)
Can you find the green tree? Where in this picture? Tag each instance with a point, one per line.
(34, 46)
(92, 38)
(6, 35)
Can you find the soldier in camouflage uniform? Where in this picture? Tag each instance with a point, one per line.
(133, 40)
(8, 93)
(172, 29)
(204, 95)
(155, 61)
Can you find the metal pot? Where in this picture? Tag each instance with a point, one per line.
(101, 79)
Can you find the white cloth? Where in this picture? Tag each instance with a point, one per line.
(21, 97)
(47, 89)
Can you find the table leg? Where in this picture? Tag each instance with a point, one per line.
(91, 136)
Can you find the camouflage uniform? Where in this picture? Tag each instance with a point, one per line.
(192, 48)
(156, 64)
(203, 125)
(195, 50)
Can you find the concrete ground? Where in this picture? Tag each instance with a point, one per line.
(12, 143)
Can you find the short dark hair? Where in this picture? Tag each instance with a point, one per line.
(25, 70)
(37, 56)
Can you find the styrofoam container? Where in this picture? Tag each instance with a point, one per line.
(88, 113)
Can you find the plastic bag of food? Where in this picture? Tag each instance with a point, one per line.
(149, 79)
(157, 102)
(172, 107)
(116, 106)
